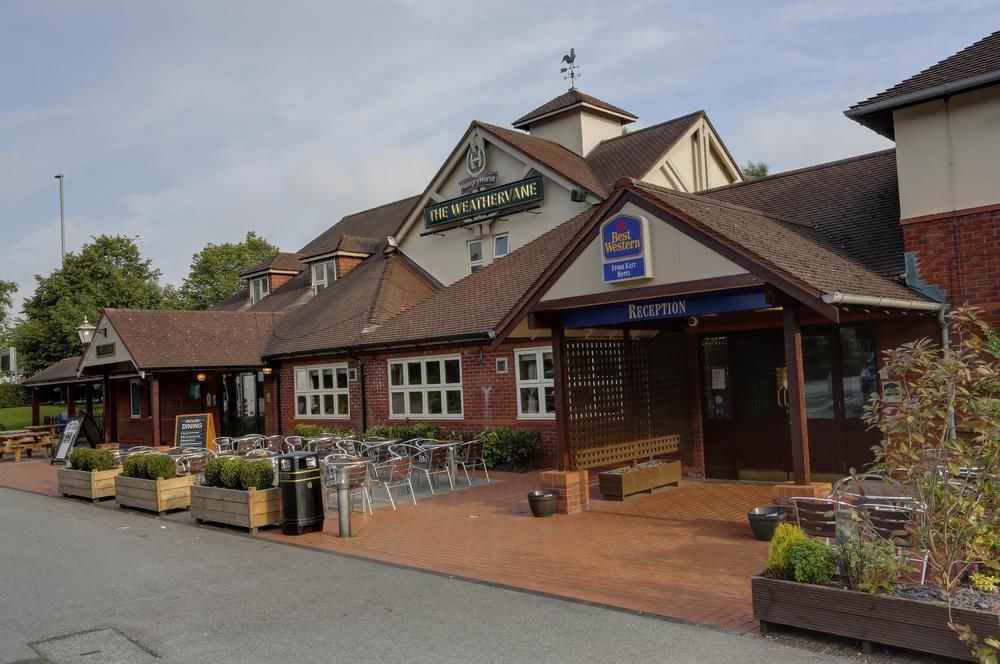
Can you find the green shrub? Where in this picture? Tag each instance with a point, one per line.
(102, 460)
(160, 466)
(213, 471)
(314, 430)
(812, 561)
(785, 535)
(869, 563)
(985, 581)
(257, 475)
(408, 430)
(13, 395)
(231, 476)
(79, 459)
(135, 466)
(514, 447)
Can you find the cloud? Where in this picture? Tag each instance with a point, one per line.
(18, 176)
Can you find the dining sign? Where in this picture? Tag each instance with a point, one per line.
(506, 196)
(625, 249)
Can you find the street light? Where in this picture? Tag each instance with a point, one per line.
(62, 220)
(86, 332)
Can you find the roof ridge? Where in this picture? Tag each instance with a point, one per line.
(627, 133)
(372, 209)
(699, 196)
(803, 169)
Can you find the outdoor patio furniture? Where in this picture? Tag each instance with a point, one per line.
(349, 446)
(246, 443)
(891, 523)
(392, 474)
(190, 460)
(469, 455)
(224, 445)
(266, 454)
(275, 443)
(817, 517)
(431, 460)
(357, 478)
(321, 445)
(293, 443)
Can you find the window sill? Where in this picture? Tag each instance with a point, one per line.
(421, 418)
(323, 417)
(537, 416)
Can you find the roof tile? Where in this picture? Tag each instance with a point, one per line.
(568, 99)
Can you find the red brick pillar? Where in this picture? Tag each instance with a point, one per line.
(572, 489)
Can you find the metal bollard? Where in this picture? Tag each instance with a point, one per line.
(343, 501)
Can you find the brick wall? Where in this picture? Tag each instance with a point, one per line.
(960, 254)
(345, 264)
(488, 398)
(276, 280)
(174, 401)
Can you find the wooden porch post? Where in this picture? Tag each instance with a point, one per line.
(88, 390)
(110, 416)
(154, 408)
(70, 401)
(796, 394)
(562, 410)
(36, 407)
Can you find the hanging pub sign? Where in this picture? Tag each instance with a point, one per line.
(625, 249)
(506, 196)
(194, 430)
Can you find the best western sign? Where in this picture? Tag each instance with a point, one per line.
(625, 247)
(510, 195)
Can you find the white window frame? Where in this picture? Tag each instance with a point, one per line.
(473, 265)
(329, 274)
(497, 237)
(304, 389)
(539, 383)
(406, 388)
(265, 289)
(135, 399)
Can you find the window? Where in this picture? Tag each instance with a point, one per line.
(501, 245)
(323, 274)
(105, 350)
(536, 392)
(258, 289)
(135, 400)
(428, 387)
(321, 392)
(475, 255)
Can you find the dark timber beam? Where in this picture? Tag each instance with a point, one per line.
(796, 394)
(154, 407)
(36, 407)
(562, 410)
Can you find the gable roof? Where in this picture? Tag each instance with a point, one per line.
(975, 66)
(570, 99)
(380, 287)
(289, 294)
(797, 252)
(361, 232)
(235, 302)
(63, 371)
(632, 155)
(853, 202)
(193, 339)
(281, 261)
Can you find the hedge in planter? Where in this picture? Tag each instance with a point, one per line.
(237, 492)
(150, 482)
(91, 474)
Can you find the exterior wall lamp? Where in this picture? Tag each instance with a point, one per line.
(86, 332)
(201, 377)
(267, 371)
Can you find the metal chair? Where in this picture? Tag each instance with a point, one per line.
(246, 443)
(470, 456)
(431, 460)
(357, 479)
(393, 474)
(349, 446)
(817, 517)
(224, 445)
(274, 443)
(891, 523)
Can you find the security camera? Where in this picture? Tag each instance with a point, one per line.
(693, 321)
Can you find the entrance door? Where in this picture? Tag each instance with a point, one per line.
(243, 404)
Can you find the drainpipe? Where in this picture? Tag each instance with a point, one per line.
(881, 302)
(364, 398)
(277, 389)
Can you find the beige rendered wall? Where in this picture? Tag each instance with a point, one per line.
(696, 162)
(444, 255)
(579, 130)
(675, 257)
(121, 354)
(946, 153)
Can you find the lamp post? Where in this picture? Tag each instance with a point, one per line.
(62, 221)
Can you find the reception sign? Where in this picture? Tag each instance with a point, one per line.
(682, 306)
(506, 196)
(625, 249)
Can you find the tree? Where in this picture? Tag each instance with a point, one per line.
(215, 272)
(755, 169)
(7, 290)
(107, 273)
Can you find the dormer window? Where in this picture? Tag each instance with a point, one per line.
(323, 274)
(259, 289)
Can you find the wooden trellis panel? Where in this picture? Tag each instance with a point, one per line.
(626, 399)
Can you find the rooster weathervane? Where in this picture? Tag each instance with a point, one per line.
(569, 70)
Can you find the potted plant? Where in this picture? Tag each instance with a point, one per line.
(150, 482)
(237, 492)
(90, 474)
(542, 502)
(644, 477)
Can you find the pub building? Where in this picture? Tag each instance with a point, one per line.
(626, 293)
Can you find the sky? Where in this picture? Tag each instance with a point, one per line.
(186, 123)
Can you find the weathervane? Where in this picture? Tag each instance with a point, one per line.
(570, 69)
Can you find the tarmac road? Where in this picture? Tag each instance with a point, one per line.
(191, 594)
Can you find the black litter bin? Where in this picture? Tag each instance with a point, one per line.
(301, 493)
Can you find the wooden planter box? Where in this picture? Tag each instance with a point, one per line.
(154, 495)
(872, 619)
(86, 484)
(615, 486)
(247, 509)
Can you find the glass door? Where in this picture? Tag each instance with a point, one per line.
(243, 402)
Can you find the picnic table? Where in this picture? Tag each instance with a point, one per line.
(22, 440)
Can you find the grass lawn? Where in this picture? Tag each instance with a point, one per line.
(20, 417)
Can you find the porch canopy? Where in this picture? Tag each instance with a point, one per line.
(62, 375)
(159, 354)
(651, 262)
